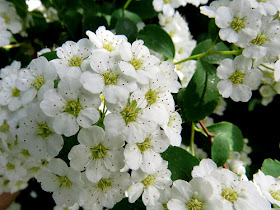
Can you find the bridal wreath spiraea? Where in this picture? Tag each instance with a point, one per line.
(112, 97)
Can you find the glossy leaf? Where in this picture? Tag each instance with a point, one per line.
(126, 27)
(229, 132)
(201, 96)
(158, 40)
(180, 163)
(271, 167)
(220, 150)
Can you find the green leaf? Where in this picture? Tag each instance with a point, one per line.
(143, 8)
(21, 7)
(92, 22)
(120, 13)
(50, 55)
(201, 96)
(206, 45)
(220, 150)
(229, 132)
(73, 22)
(214, 31)
(124, 204)
(271, 167)
(180, 163)
(127, 27)
(158, 40)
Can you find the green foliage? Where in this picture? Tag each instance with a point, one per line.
(92, 22)
(220, 151)
(73, 23)
(228, 132)
(120, 13)
(158, 40)
(208, 45)
(271, 167)
(180, 162)
(201, 96)
(213, 31)
(21, 7)
(228, 137)
(124, 204)
(50, 55)
(126, 27)
(143, 8)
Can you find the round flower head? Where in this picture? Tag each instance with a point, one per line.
(71, 106)
(237, 21)
(238, 79)
(137, 61)
(63, 181)
(37, 78)
(269, 186)
(107, 191)
(98, 153)
(105, 40)
(12, 20)
(267, 7)
(167, 6)
(37, 135)
(5, 35)
(71, 56)
(149, 184)
(107, 78)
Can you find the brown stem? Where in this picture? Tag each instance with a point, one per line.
(6, 199)
(210, 135)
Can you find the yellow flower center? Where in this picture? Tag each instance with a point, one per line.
(260, 39)
(237, 24)
(149, 180)
(136, 63)
(194, 204)
(75, 61)
(230, 194)
(275, 194)
(237, 77)
(110, 78)
(38, 82)
(73, 107)
(43, 130)
(64, 182)
(104, 184)
(109, 46)
(99, 151)
(15, 92)
(144, 145)
(151, 97)
(130, 112)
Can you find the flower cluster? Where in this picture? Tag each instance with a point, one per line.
(10, 22)
(252, 26)
(114, 97)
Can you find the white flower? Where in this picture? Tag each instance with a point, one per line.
(266, 43)
(37, 78)
(107, 78)
(70, 106)
(146, 154)
(210, 10)
(173, 128)
(130, 118)
(12, 20)
(197, 194)
(11, 96)
(137, 61)
(167, 6)
(268, 7)
(107, 191)
(269, 186)
(64, 182)
(71, 56)
(36, 133)
(11, 69)
(238, 79)
(98, 153)
(5, 35)
(105, 40)
(237, 21)
(149, 185)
